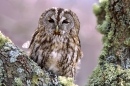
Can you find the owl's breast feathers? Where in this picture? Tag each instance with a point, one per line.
(57, 53)
(62, 53)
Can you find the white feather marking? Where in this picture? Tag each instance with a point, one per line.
(56, 13)
(76, 48)
(55, 57)
(75, 53)
(62, 18)
(69, 56)
(45, 53)
(43, 39)
(53, 67)
(57, 39)
(53, 17)
(54, 54)
(63, 32)
(36, 45)
(66, 10)
(61, 14)
(40, 56)
(78, 63)
(33, 52)
(26, 44)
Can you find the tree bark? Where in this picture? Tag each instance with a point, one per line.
(113, 17)
(16, 69)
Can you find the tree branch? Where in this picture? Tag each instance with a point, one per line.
(113, 17)
(16, 69)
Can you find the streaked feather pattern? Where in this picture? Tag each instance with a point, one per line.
(55, 45)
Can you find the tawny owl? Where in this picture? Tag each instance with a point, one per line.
(55, 45)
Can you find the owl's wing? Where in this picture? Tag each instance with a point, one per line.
(33, 37)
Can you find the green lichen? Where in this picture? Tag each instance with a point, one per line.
(103, 2)
(110, 35)
(102, 28)
(35, 79)
(3, 39)
(1, 71)
(114, 64)
(96, 9)
(36, 69)
(20, 70)
(2, 84)
(6, 48)
(18, 82)
(66, 81)
(109, 74)
(102, 16)
(103, 52)
(37, 73)
(127, 42)
(107, 17)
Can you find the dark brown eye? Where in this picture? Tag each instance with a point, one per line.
(65, 22)
(51, 20)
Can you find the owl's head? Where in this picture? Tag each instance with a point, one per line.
(59, 21)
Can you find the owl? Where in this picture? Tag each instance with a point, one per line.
(55, 44)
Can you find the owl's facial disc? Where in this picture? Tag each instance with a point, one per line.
(59, 30)
(58, 22)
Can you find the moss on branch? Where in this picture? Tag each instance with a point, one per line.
(113, 18)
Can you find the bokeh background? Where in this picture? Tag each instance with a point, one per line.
(19, 19)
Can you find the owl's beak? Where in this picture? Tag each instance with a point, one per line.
(56, 32)
(57, 29)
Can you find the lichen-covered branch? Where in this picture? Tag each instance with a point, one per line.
(16, 69)
(113, 18)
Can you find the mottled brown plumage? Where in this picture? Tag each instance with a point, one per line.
(55, 45)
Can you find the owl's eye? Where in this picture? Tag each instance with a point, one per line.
(65, 22)
(51, 20)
